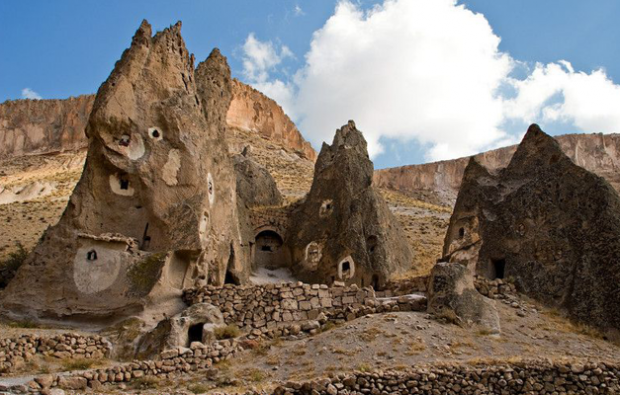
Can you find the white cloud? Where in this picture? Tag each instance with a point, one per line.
(555, 92)
(298, 11)
(28, 93)
(428, 71)
(259, 58)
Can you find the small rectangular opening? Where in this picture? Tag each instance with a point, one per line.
(499, 268)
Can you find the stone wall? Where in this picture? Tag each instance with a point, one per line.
(529, 377)
(14, 352)
(169, 363)
(281, 308)
(271, 218)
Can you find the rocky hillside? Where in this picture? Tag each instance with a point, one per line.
(250, 110)
(439, 182)
(43, 126)
(49, 126)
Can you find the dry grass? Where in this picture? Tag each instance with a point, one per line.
(227, 332)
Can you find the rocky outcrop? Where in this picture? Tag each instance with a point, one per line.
(344, 230)
(197, 323)
(250, 110)
(146, 219)
(551, 226)
(29, 127)
(255, 186)
(453, 296)
(439, 182)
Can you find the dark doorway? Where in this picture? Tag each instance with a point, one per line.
(194, 334)
(230, 277)
(91, 255)
(375, 282)
(499, 268)
(268, 252)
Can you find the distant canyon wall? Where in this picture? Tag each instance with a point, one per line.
(250, 110)
(439, 182)
(32, 127)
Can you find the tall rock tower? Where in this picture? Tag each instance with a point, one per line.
(155, 210)
(344, 230)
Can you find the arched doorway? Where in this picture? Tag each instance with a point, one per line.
(269, 251)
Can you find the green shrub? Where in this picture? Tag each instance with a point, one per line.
(12, 263)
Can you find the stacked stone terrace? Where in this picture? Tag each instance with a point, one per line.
(525, 377)
(281, 308)
(14, 352)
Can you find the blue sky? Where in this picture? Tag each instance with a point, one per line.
(66, 48)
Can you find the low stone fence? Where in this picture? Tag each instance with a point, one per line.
(494, 288)
(15, 352)
(533, 377)
(169, 363)
(279, 308)
(405, 287)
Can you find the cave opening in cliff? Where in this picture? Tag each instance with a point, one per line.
(194, 334)
(268, 250)
(461, 232)
(499, 268)
(91, 255)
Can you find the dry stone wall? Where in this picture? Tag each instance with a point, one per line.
(284, 309)
(169, 364)
(14, 352)
(529, 377)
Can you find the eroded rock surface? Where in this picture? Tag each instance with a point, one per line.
(146, 219)
(250, 110)
(30, 127)
(553, 226)
(344, 230)
(452, 295)
(439, 182)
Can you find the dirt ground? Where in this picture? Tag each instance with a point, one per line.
(394, 341)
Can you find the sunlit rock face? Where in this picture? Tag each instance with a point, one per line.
(549, 224)
(155, 209)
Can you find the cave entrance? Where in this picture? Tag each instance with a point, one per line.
(375, 282)
(194, 334)
(230, 277)
(268, 251)
(499, 268)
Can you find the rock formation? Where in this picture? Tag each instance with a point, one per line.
(452, 296)
(253, 111)
(147, 218)
(30, 127)
(439, 182)
(344, 230)
(197, 323)
(551, 225)
(255, 185)
(47, 126)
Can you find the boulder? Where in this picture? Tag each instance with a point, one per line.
(452, 296)
(344, 230)
(195, 324)
(255, 185)
(546, 223)
(146, 219)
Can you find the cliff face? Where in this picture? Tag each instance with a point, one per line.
(439, 182)
(250, 110)
(43, 126)
(46, 126)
